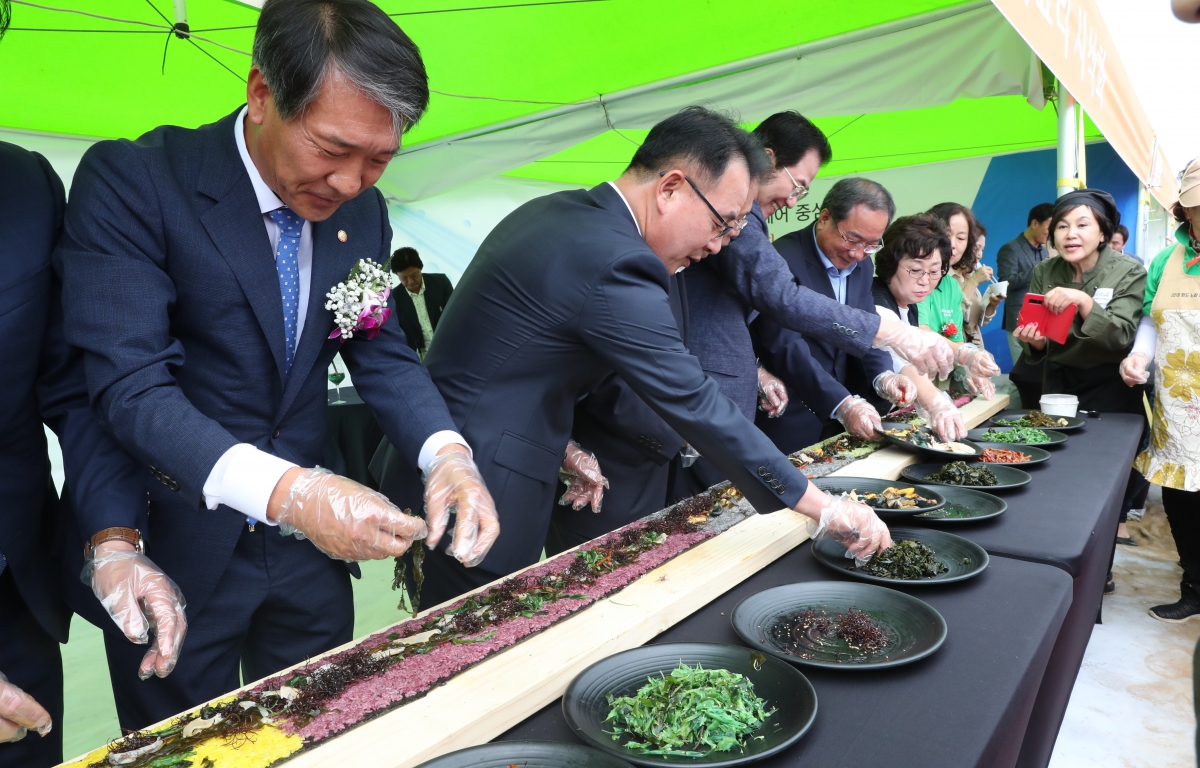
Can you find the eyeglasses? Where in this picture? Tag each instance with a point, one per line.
(917, 274)
(855, 245)
(723, 226)
(799, 191)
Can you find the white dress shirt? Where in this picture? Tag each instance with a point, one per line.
(418, 300)
(244, 477)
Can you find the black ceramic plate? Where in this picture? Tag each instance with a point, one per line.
(782, 686)
(1006, 476)
(1073, 422)
(963, 557)
(914, 628)
(965, 505)
(1036, 455)
(838, 485)
(527, 754)
(924, 449)
(1057, 437)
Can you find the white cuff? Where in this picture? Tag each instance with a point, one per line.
(834, 415)
(436, 442)
(1147, 338)
(243, 479)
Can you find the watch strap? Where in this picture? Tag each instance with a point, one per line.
(115, 533)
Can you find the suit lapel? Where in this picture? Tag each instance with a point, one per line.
(332, 260)
(237, 229)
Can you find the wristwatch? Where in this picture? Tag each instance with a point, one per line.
(115, 533)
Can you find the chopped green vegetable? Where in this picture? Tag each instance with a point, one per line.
(690, 712)
(962, 473)
(905, 559)
(1020, 435)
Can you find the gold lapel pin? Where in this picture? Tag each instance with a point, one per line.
(342, 235)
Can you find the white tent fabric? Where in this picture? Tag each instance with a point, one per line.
(968, 51)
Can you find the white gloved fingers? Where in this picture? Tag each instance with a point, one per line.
(1134, 369)
(978, 362)
(455, 483)
(926, 351)
(583, 463)
(19, 712)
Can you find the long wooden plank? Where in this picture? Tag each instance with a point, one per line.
(488, 699)
(484, 701)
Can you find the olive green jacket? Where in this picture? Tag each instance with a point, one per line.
(1107, 335)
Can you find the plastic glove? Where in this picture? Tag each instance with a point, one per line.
(979, 385)
(859, 418)
(345, 520)
(978, 362)
(772, 394)
(1135, 369)
(855, 526)
(580, 471)
(943, 418)
(141, 599)
(897, 389)
(453, 484)
(19, 713)
(925, 350)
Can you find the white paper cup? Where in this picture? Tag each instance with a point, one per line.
(1000, 289)
(1060, 405)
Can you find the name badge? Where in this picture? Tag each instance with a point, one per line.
(1102, 296)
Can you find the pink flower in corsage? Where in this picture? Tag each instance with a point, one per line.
(359, 304)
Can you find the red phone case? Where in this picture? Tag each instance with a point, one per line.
(1053, 326)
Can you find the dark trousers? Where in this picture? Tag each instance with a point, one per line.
(1183, 513)
(29, 658)
(635, 490)
(280, 601)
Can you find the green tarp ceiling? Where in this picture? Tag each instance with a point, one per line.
(562, 90)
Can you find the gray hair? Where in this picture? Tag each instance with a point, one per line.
(300, 44)
(854, 190)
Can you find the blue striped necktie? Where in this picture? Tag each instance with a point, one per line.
(287, 264)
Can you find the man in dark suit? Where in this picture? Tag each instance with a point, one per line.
(196, 269)
(421, 302)
(826, 385)
(571, 287)
(748, 277)
(43, 384)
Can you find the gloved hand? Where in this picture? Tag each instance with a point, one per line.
(346, 520)
(859, 418)
(926, 351)
(977, 362)
(1135, 369)
(897, 389)
(453, 484)
(19, 712)
(855, 526)
(772, 394)
(979, 385)
(943, 418)
(141, 599)
(580, 471)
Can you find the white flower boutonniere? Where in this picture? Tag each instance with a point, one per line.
(359, 304)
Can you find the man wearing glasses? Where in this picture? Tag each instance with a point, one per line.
(572, 287)
(748, 277)
(832, 257)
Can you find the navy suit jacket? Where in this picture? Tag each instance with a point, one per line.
(437, 293)
(43, 382)
(748, 276)
(818, 374)
(563, 292)
(171, 290)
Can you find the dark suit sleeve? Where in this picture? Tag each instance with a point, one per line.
(1008, 262)
(103, 482)
(118, 298)
(614, 404)
(752, 267)
(786, 354)
(391, 378)
(627, 320)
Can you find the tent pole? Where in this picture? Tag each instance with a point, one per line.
(1068, 142)
(1143, 223)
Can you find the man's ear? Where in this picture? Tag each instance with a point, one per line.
(258, 95)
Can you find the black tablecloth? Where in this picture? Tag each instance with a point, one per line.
(966, 705)
(1066, 517)
(352, 436)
